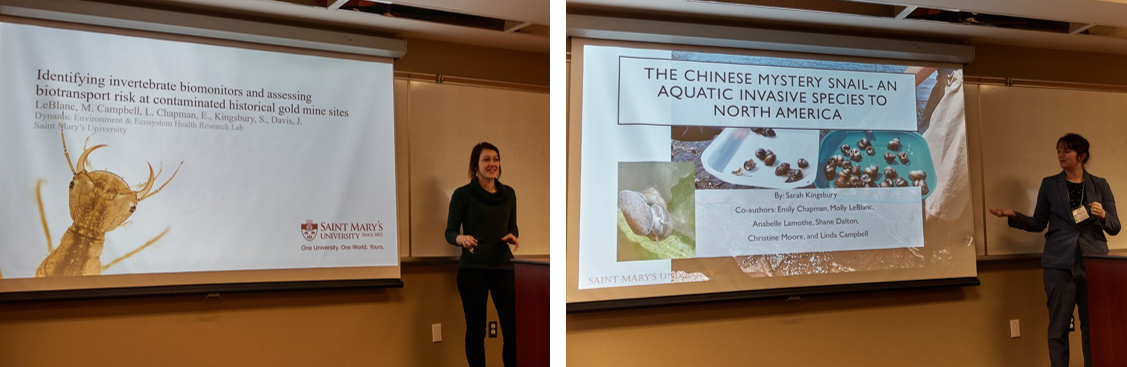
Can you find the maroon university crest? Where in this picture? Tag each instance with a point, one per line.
(309, 230)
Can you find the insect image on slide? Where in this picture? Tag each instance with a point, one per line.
(100, 201)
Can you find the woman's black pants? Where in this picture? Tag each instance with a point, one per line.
(475, 285)
(1066, 290)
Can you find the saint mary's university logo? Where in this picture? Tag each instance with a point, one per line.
(309, 230)
(340, 230)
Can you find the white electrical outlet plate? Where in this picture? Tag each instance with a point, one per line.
(1015, 329)
(436, 333)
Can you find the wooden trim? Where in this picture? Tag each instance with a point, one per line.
(1036, 256)
(433, 260)
(444, 79)
(1032, 83)
(1011, 257)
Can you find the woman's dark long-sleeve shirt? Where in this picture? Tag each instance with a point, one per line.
(487, 217)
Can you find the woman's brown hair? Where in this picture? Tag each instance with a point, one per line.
(1075, 143)
(475, 156)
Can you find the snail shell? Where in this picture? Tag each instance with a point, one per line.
(872, 171)
(645, 213)
(794, 175)
(782, 169)
(894, 144)
(890, 172)
(653, 197)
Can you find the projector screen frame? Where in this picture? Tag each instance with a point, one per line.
(187, 289)
(825, 290)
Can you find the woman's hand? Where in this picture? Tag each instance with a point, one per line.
(467, 241)
(512, 240)
(1002, 212)
(1097, 210)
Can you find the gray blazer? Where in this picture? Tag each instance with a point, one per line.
(1064, 233)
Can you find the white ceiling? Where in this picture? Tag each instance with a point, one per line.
(1104, 13)
(305, 11)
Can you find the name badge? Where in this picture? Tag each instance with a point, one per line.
(1080, 214)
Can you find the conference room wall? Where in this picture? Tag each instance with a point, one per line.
(922, 327)
(389, 327)
(1048, 65)
(307, 328)
(432, 57)
(925, 327)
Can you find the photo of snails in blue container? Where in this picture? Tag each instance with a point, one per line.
(890, 158)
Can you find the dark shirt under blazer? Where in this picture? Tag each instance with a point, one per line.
(1064, 233)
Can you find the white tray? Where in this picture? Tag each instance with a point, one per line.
(735, 145)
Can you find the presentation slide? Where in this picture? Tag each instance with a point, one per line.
(127, 156)
(715, 172)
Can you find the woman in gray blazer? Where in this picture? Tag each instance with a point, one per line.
(1078, 209)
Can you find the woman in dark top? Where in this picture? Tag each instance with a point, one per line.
(1078, 209)
(486, 213)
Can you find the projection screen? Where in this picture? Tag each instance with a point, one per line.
(708, 171)
(142, 162)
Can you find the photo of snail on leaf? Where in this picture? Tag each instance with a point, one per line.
(656, 210)
(646, 213)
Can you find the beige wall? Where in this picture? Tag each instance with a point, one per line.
(307, 328)
(434, 57)
(924, 327)
(1049, 65)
